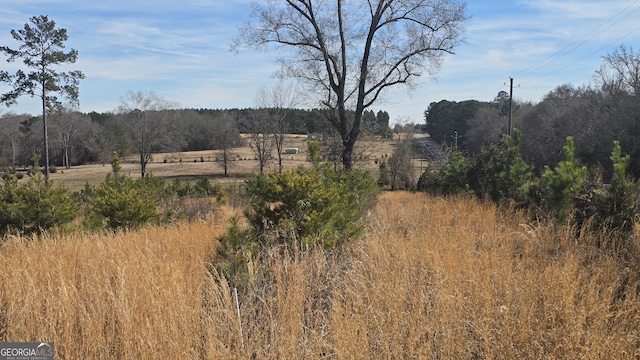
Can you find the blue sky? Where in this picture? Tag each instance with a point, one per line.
(180, 50)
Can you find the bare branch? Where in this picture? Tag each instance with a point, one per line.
(351, 52)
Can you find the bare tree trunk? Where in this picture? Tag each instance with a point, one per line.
(348, 144)
(279, 135)
(352, 58)
(66, 157)
(225, 161)
(46, 137)
(143, 164)
(13, 153)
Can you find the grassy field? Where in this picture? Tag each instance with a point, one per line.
(196, 164)
(432, 278)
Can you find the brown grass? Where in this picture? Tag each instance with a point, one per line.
(188, 165)
(432, 279)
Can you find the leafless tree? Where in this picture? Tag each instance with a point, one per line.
(485, 127)
(620, 71)
(10, 135)
(278, 98)
(350, 52)
(400, 166)
(261, 139)
(226, 140)
(147, 122)
(70, 126)
(330, 149)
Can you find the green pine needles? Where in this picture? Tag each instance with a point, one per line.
(35, 205)
(310, 206)
(120, 202)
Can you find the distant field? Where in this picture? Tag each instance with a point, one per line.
(196, 164)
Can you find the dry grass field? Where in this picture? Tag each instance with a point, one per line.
(432, 278)
(192, 165)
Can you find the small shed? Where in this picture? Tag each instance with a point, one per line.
(291, 150)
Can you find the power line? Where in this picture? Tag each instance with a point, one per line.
(586, 56)
(580, 42)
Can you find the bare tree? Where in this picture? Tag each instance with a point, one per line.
(278, 98)
(147, 122)
(546, 126)
(485, 127)
(226, 139)
(620, 71)
(330, 148)
(400, 167)
(70, 126)
(197, 131)
(261, 129)
(10, 134)
(350, 52)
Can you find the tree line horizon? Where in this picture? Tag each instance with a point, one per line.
(347, 62)
(350, 68)
(79, 138)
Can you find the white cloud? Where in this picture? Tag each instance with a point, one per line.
(576, 9)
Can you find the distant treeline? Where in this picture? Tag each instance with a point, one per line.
(595, 118)
(80, 138)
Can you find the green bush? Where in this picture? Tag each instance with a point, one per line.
(11, 172)
(560, 187)
(618, 207)
(449, 178)
(300, 208)
(310, 206)
(613, 209)
(237, 256)
(34, 206)
(500, 173)
(202, 188)
(120, 202)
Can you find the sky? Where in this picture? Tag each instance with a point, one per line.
(181, 51)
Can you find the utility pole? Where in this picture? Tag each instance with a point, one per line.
(510, 103)
(455, 138)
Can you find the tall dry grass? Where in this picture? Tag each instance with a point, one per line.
(432, 279)
(131, 295)
(453, 279)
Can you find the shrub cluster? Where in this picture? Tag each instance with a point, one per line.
(121, 202)
(34, 206)
(295, 210)
(310, 206)
(567, 192)
(117, 203)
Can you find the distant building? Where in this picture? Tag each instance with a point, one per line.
(314, 136)
(291, 150)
